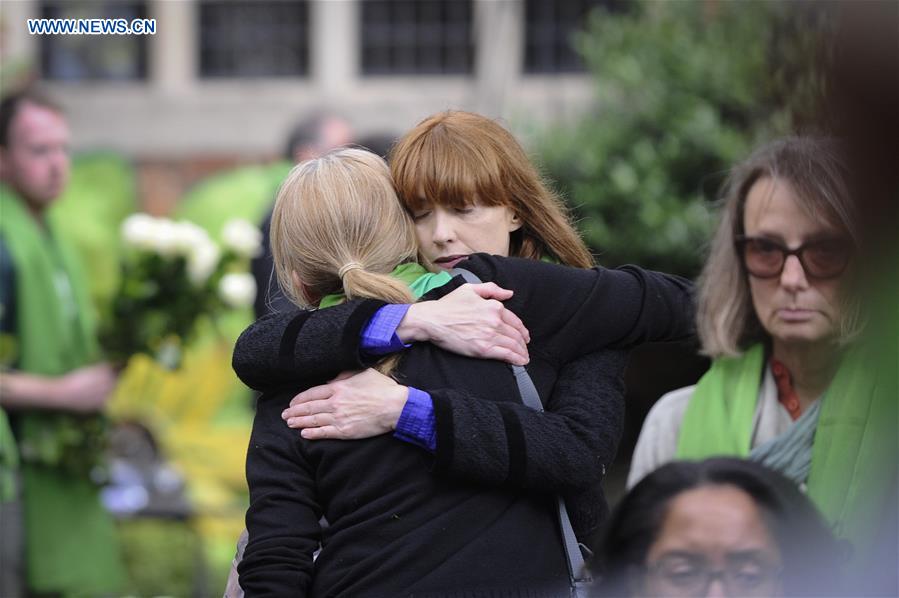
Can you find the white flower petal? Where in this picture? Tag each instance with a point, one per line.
(165, 239)
(202, 261)
(138, 231)
(237, 290)
(241, 237)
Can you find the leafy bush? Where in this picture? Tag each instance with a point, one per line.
(246, 192)
(162, 557)
(684, 90)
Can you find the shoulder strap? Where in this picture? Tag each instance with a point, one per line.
(577, 570)
(467, 275)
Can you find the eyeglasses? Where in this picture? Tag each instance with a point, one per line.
(821, 259)
(679, 576)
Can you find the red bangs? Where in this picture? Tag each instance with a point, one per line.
(440, 168)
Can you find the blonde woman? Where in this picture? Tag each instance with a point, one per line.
(776, 312)
(394, 527)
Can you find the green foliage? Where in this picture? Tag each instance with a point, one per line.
(246, 192)
(101, 193)
(162, 558)
(684, 90)
(70, 442)
(155, 310)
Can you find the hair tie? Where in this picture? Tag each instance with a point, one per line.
(347, 267)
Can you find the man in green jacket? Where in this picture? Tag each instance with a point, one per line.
(53, 386)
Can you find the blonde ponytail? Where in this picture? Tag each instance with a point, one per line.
(338, 227)
(360, 283)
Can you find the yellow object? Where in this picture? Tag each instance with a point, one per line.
(184, 411)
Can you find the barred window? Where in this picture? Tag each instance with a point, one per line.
(253, 38)
(93, 57)
(417, 37)
(549, 28)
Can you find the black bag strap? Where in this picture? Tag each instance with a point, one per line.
(577, 569)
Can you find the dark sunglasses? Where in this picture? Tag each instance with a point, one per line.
(820, 259)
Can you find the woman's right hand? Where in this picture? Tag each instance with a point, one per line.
(470, 321)
(354, 405)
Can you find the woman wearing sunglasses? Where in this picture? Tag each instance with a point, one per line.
(776, 312)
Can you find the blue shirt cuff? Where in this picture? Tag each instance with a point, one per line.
(379, 335)
(416, 424)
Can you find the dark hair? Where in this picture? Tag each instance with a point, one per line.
(307, 131)
(807, 546)
(378, 143)
(11, 105)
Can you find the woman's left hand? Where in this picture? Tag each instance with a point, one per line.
(354, 405)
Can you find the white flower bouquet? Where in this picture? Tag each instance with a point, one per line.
(174, 274)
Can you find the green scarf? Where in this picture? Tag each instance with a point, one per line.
(9, 460)
(55, 333)
(419, 280)
(854, 451)
(70, 539)
(55, 328)
(726, 396)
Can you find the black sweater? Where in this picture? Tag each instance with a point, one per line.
(284, 350)
(395, 527)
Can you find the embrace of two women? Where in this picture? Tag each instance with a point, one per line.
(392, 453)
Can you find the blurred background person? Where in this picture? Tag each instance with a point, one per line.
(378, 143)
(309, 139)
(778, 311)
(720, 527)
(55, 383)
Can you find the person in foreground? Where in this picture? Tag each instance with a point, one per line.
(395, 528)
(719, 527)
(789, 386)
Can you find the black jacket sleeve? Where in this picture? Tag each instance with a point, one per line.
(566, 447)
(283, 518)
(571, 311)
(296, 347)
(575, 311)
(477, 439)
